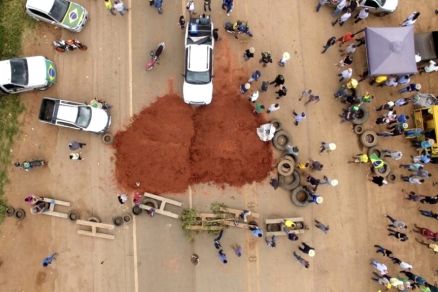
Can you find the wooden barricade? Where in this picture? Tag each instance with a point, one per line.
(93, 229)
(52, 204)
(162, 201)
(275, 226)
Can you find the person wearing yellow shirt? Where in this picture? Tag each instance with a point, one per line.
(360, 158)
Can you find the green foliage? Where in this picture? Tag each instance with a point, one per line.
(189, 217)
(13, 21)
(216, 207)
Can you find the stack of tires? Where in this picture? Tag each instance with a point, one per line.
(369, 139)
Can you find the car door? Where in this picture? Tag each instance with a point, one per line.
(42, 16)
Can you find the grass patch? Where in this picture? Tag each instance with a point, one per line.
(13, 21)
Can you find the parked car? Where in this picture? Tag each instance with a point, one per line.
(25, 74)
(63, 13)
(381, 7)
(198, 74)
(74, 115)
(426, 45)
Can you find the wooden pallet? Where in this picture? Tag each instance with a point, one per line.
(52, 204)
(93, 229)
(280, 221)
(162, 201)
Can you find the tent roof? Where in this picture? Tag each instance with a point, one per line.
(390, 50)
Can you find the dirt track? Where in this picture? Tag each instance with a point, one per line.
(152, 254)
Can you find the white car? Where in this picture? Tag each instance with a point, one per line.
(198, 75)
(74, 115)
(63, 13)
(380, 6)
(25, 74)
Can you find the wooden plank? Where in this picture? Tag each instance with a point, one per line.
(95, 224)
(95, 234)
(282, 233)
(57, 202)
(238, 212)
(159, 211)
(197, 227)
(163, 199)
(280, 220)
(56, 214)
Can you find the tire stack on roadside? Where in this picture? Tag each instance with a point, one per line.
(369, 139)
(289, 178)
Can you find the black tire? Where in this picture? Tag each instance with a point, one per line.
(73, 216)
(10, 211)
(375, 150)
(276, 124)
(281, 139)
(358, 129)
(290, 182)
(363, 115)
(383, 171)
(127, 218)
(20, 214)
(150, 202)
(107, 139)
(94, 219)
(299, 197)
(286, 167)
(118, 220)
(368, 138)
(391, 177)
(136, 210)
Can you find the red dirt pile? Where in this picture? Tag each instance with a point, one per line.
(169, 145)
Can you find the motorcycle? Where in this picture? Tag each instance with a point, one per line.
(28, 165)
(239, 27)
(155, 56)
(68, 45)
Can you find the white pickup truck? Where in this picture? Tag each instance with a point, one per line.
(74, 115)
(25, 74)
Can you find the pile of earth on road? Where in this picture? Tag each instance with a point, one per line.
(170, 145)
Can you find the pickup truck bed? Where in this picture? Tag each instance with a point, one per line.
(48, 110)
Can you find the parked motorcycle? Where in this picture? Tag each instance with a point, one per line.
(155, 56)
(239, 27)
(28, 165)
(68, 45)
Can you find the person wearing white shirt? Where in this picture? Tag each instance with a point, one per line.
(254, 96)
(345, 74)
(391, 82)
(382, 268)
(273, 108)
(431, 67)
(362, 15)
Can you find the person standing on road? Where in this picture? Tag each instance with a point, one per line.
(237, 250)
(396, 223)
(399, 235)
(254, 96)
(48, 260)
(429, 200)
(322, 227)
(75, 156)
(207, 5)
(120, 7)
(327, 147)
(307, 249)
(411, 87)
(273, 108)
(182, 22)
(345, 75)
(298, 117)
(301, 260)
(216, 241)
(190, 6)
(266, 58)
(330, 42)
(227, 5)
(344, 18)
(256, 231)
(362, 15)
(281, 92)
(385, 252)
(320, 4)
(429, 214)
(222, 256)
(412, 179)
(340, 7)
(411, 19)
(279, 80)
(74, 145)
(403, 265)
(258, 108)
(382, 268)
(248, 54)
(244, 88)
(312, 98)
(271, 242)
(255, 76)
(109, 6)
(379, 180)
(284, 58)
(394, 154)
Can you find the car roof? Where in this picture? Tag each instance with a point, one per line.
(42, 5)
(67, 113)
(198, 58)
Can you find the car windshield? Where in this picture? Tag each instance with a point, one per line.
(19, 72)
(59, 9)
(198, 77)
(380, 2)
(84, 117)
